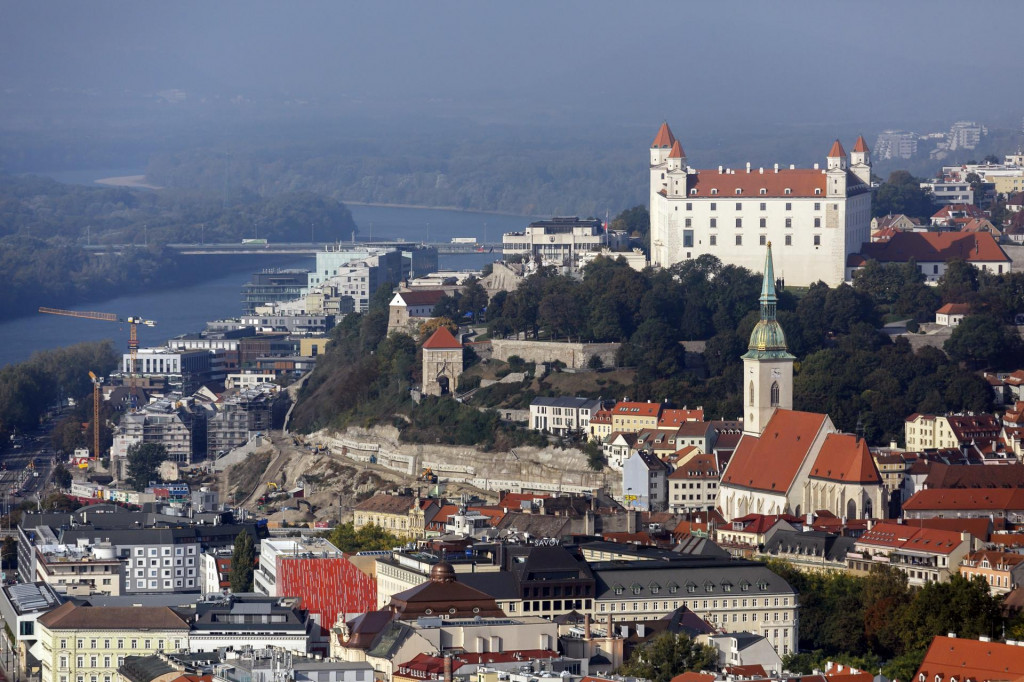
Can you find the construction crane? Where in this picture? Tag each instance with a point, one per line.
(96, 397)
(133, 338)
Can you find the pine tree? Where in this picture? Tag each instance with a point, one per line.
(243, 561)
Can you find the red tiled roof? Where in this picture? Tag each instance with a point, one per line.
(676, 417)
(745, 670)
(429, 297)
(979, 528)
(513, 500)
(442, 338)
(861, 145)
(970, 659)
(994, 558)
(664, 138)
(800, 181)
(772, 461)
(837, 149)
(693, 677)
(1015, 378)
(968, 209)
(699, 466)
(637, 409)
(930, 247)
(900, 536)
(954, 309)
(677, 151)
(846, 458)
(966, 499)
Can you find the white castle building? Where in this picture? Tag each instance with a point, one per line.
(816, 217)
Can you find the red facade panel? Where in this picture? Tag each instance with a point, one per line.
(327, 586)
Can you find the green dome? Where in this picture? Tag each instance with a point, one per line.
(768, 340)
(767, 335)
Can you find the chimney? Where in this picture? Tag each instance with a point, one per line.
(719, 170)
(761, 170)
(792, 166)
(748, 167)
(611, 632)
(447, 668)
(776, 168)
(586, 627)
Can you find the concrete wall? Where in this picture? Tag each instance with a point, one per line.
(574, 355)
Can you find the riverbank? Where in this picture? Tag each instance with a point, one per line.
(131, 181)
(455, 209)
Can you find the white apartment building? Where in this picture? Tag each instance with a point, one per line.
(563, 414)
(815, 217)
(949, 193)
(559, 241)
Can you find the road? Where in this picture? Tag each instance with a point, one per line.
(26, 468)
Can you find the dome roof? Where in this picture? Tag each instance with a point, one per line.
(767, 336)
(442, 572)
(768, 340)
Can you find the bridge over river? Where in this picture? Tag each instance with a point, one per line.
(304, 249)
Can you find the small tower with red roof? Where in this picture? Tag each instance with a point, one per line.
(662, 145)
(836, 164)
(860, 161)
(442, 363)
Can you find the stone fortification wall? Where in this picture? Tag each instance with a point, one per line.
(574, 355)
(523, 469)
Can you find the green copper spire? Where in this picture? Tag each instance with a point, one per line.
(768, 340)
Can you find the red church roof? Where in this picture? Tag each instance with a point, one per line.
(771, 462)
(845, 458)
(442, 339)
(664, 139)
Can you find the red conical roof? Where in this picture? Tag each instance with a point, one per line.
(837, 150)
(861, 145)
(677, 151)
(442, 338)
(664, 139)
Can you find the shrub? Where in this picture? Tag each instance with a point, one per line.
(595, 362)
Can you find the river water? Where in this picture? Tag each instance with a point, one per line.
(187, 309)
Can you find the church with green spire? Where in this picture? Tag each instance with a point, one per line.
(767, 364)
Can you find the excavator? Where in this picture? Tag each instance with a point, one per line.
(427, 475)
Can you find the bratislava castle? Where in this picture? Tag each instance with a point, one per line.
(815, 217)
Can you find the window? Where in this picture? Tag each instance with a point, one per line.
(817, 205)
(714, 222)
(739, 222)
(775, 394)
(789, 240)
(713, 240)
(789, 222)
(763, 240)
(817, 190)
(689, 222)
(688, 239)
(751, 392)
(739, 205)
(764, 222)
(714, 190)
(788, 191)
(739, 240)
(714, 205)
(63, 644)
(689, 206)
(763, 191)
(817, 240)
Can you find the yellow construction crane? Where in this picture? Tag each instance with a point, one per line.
(96, 397)
(133, 338)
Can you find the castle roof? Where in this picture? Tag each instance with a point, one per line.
(845, 458)
(837, 150)
(931, 247)
(861, 145)
(664, 139)
(442, 339)
(428, 297)
(725, 183)
(677, 151)
(785, 442)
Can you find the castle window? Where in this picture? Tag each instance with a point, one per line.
(688, 222)
(714, 206)
(739, 206)
(775, 394)
(789, 222)
(739, 222)
(764, 222)
(714, 190)
(763, 191)
(764, 206)
(817, 222)
(789, 240)
(817, 190)
(817, 240)
(689, 206)
(714, 222)
(692, 191)
(751, 391)
(739, 240)
(688, 239)
(817, 205)
(739, 190)
(713, 240)
(662, 176)
(789, 191)
(789, 206)
(763, 240)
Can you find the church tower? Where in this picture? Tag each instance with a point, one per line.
(767, 364)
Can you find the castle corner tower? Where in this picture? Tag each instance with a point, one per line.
(767, 364)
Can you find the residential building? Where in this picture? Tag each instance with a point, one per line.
(21, 606)
(955, 658)
(952, 314)
(318, 572)
(215, 571)
(956, 215)
(929, 432)
(745, 650)
(817, 217)
(600, 426)
(559, 241)
(891, 224)
(562, 415)
(810, 551)
(645, 482)
(80, 643)
(259, 622)
(730, 594)
(618, 447)
(965, 135)
(185, 370)
(251, 665)
(932, 252)
(895, 144)
(633, 417)
(949, 193)
(272, 285)
(693, 486)
(1003, 571)
(355, 275)
(240, 416)
(80, 570)
(300, 323)
(173, 424)
(967, 503)
(923, 554)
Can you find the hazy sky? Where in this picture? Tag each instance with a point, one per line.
(626, 62)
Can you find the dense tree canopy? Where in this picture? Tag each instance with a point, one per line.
(243, 563)
(667, 655)
(902, 193)
(144, 461)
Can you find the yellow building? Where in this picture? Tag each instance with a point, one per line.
(635, 417)
(88, 643)
(402, 515)
(312, 346)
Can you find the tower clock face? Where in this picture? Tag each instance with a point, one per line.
(776, 373)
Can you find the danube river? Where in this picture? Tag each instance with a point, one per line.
(180, 310)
